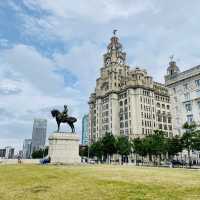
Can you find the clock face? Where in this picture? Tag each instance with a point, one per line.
(108, 61)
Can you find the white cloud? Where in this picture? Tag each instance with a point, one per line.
(96, 11)
(85, 62)
(32, 85)
(33, 67)
(79, 19)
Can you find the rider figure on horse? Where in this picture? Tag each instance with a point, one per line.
(65, 111)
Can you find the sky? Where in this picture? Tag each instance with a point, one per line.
(51, 52)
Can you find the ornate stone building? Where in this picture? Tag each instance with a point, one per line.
(184, 88)
(127, 101)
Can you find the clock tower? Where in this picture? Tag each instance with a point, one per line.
(114, 71)
(114, 54)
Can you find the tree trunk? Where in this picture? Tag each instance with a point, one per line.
(142, 160)
(136, 159)
(189, 158)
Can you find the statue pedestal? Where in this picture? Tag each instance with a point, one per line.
(64, 148)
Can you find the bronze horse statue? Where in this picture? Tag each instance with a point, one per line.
(61, 118)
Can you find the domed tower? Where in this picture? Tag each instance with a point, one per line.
(172, 70)
(114, 52)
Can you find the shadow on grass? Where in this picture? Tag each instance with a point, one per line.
(39, 188)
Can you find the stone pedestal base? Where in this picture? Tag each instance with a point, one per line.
(64, 148)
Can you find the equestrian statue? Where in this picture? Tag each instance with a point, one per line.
(62, 117)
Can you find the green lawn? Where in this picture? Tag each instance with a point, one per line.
(28, 182)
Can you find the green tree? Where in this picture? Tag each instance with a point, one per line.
(108, 145)
(155, 144)
(196, 144)
(123, 146)
(189, 139)
(174, 146)
(140, 147)
(96, 149)
(41, 153)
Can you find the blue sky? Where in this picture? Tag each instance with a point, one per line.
(51, 52)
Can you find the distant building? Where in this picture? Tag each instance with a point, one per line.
(2, 153)
(184, 88)
(127, 101)
(9, 152)
(85, 130)
(27, 148)
(39, 134)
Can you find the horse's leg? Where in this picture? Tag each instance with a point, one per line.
(58, 126)
(73, 128)
(70, 124)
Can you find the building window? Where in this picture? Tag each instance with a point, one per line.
(197, 82)
(185, 86)
(121, 103)
(169, 120)
(168, 107)
(198, 103)
(125, 109)
(125, 101)
(160, 126)
(188, 107)
(159, 118)
(121, 125)
(189, 118)
(163, 106)
(187, 96)
(198, 93)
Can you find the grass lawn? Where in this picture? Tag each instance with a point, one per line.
(34, 182)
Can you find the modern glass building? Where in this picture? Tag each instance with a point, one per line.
(27, 148)
(39, 134)
(85, 130)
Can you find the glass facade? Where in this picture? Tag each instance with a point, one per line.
(85, 130)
